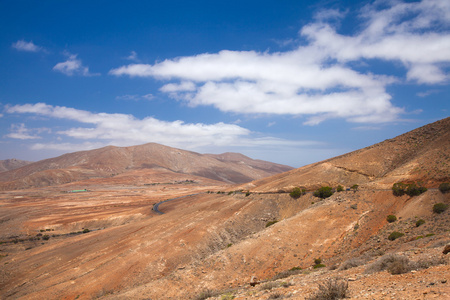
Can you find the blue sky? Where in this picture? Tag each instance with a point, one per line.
(292, 82)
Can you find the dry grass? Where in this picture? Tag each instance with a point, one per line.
(333, 288)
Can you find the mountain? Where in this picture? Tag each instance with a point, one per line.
(114, 161)
(11, 164)
(108, 242)
(421, 155)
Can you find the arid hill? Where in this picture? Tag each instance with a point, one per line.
(112, 161)
(212, 239)
(420, 155)
(11, 164)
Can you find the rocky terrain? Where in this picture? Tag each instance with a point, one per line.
(241, 241)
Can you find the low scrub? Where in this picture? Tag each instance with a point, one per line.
(351, 263)
(444, 187)
(393, 263)
(391, 218)
(205, 294)
(333, 288)
(395, 235)
(288, 273)
(420, 222)
(297, 193)
(323, 192)
(410, 189)
(440, 207)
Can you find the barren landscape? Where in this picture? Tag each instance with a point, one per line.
(81, 226)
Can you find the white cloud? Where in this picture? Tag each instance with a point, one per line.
(136, 97)
(133, 56)
(101, 129)
(22, 45)
(317, 80)
(19, 131)
(73, 66)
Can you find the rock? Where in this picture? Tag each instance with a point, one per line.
(254, 281)
(446, 249)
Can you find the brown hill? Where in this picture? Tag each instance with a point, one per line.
(112, 161)
(420, 155)
(11, 164)
(214, 243)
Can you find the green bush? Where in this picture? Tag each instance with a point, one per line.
(420, 222)
(395, 235)
(46, 237)
(411, 189)
(317, 261)
(440, 207)
(354, 187)
(247, 194)
(444, 187)
(86, 230)
(339, 188)
(297, 193)
(391, 218)
(323, 192)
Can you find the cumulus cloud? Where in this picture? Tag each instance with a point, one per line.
(73, 66)
(318, 79)
(125, 130)
(22, 45)
(133, 56)
(19, 131)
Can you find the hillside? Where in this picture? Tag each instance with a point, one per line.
(420, 155)
(113, 161)
(212, 239)
(11, 164)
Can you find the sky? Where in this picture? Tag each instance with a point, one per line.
(292, 82)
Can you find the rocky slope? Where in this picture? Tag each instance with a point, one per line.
(112, 161)
(421, 155)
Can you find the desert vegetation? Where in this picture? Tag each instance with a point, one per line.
(323, 192)
(410, 189)
(440, 208)
(297, 192)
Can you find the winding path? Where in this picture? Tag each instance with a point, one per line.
(156, 205)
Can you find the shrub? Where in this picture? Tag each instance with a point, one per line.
(86, 230)
(288, 273)
(46, 237)
(270, 223)
(206, 294)
(444, 187)
(427, 262)
(354, 187)
(351, 263)
(335, 288)
(297, 193)
(393, 263)
(269, 285)
(391, 218)
(411, 189)
(276, 295)
(354, 206)
(317, 261)
(323, 192)
(339, 188)
(227, 296)
(440, 208)
(247, 194)
(395, 235)
(420, 222)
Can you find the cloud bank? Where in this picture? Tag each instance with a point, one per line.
(319, 79)
(102, 129)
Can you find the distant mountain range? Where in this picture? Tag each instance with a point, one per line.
(11, 164)
(114, 161)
